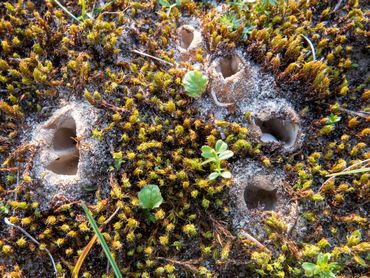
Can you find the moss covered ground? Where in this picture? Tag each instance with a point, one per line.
(153, 135)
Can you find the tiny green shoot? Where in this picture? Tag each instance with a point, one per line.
(332, 119)
(195, 83)
(150, 197)
(168, 5)
(322, 268)
(215, 156)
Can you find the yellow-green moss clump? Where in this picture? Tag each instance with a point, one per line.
(318, 54)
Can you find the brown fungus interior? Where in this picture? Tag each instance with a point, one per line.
(186, 35)
(229, 65)
(278, 130)
(256, 195)
(64, 146)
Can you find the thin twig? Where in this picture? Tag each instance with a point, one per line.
(337, 6)
(294, 215)
(111, 217)
(150, 56)
(361, 114)
(255, 241)
(7, 222)
(9, 169)
(350, 167)
(187, 264)
(311, 45)
(221, 104)
(66, 10)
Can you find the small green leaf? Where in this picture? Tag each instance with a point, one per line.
(150, 197)
(164, 3)
(226, 175)
(323, 259)
(220, 146)
(309, 269)
(207, 152)
(4, 209)
(213, 176)
(225, 155)
(212, 159)
(195, 83)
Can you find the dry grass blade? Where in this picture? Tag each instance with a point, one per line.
(83, 256)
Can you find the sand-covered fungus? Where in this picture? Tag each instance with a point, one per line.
(188, 37)
(230, 79)
(63, 163)
(277, 123)
(260, 193)
(278, 130)
(229, 65)
(256, 191)
(64, 145)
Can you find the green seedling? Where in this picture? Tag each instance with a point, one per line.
(168, 5)
(242, 4)
(195, 83)
(118, 160)
(216, 155)
(270, 2)
(150, 197)
(84, 13)
(4, 208)
(333, 119)
(231, 21)
(322, 268)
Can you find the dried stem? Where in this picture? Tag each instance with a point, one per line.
(7, 222)
(221, 104)
(255, 241)
(153, 57)
(346, 169)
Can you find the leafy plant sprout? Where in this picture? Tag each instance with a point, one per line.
(216, 155)
(150, 197)
(84, 14)
(322, 268)
(169, 6)
(195, 83)
(333, 119)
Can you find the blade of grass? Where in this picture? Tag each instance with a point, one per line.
(350, 167)
(102, 241)
(83, 9)
(66, 10)
(312, 47)
(361, 170)
(91, 243)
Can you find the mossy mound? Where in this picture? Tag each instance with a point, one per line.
(123, 58)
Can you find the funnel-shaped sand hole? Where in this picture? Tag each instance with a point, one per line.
(186, 36)
(64, 145)
(255, 197)
(229, 65)
(278, 130)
